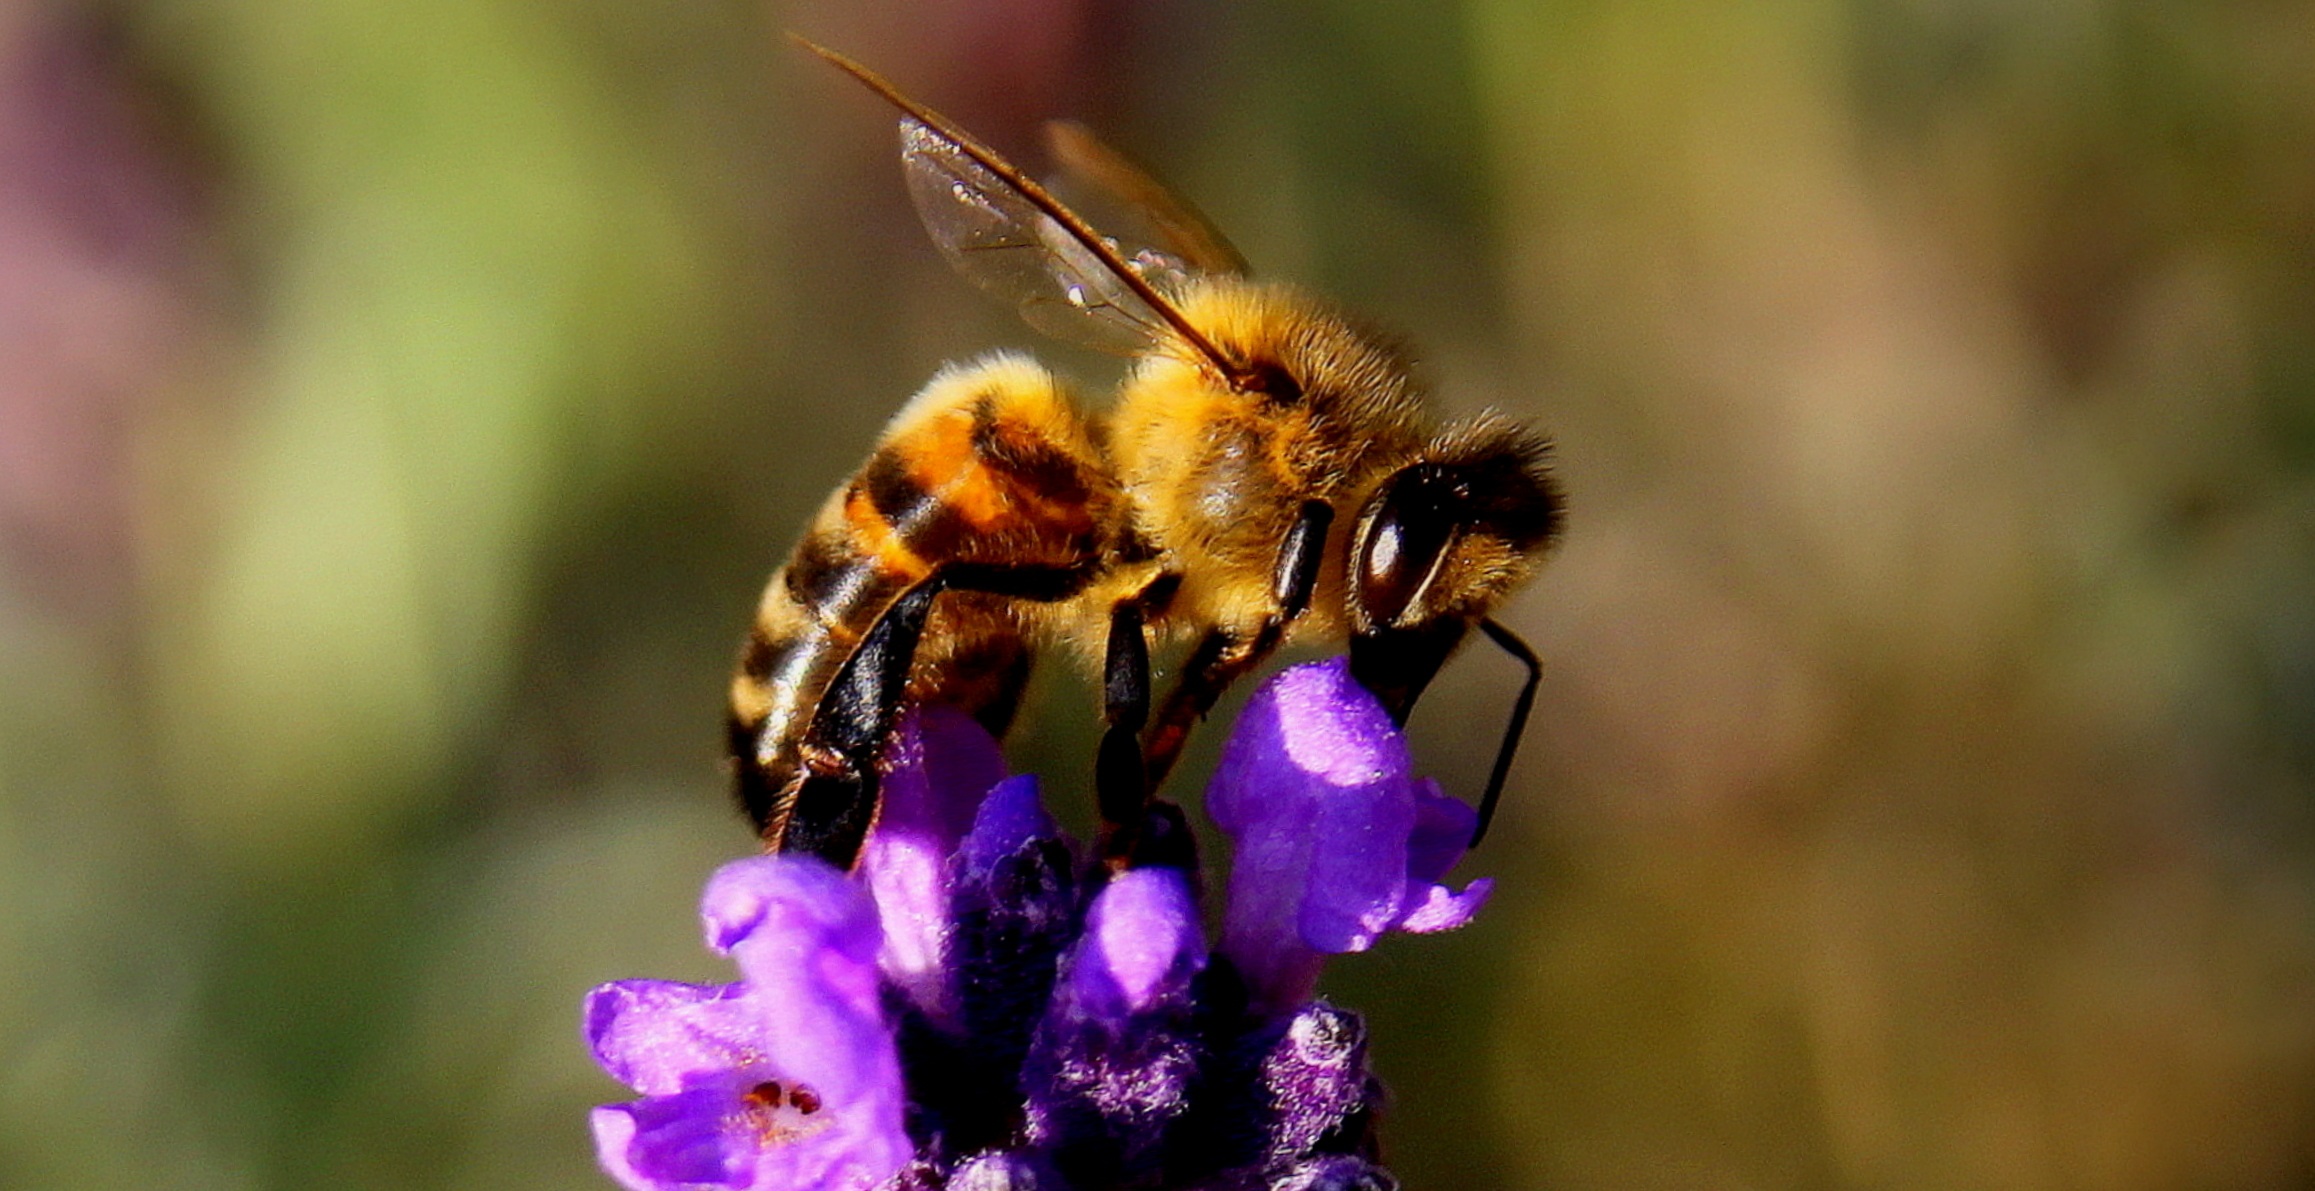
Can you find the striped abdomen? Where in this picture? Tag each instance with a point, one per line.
(990, 464)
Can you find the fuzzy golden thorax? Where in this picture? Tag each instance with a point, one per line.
(1214, 473)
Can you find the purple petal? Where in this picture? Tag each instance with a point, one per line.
(1113, 1062)
(1357, 873)
(1442, 835)
(1012, 815)
(1313, 788)
(789, 895)
(940, 764)
(1434, 908)
(789, 1080)
(909, 881)
(806, 940)
(1442, 832)
(738, 1137)
(939, 767)
(656, 1036)
(848, 1153)
(1335, 841)
(1142, 939)
(810, 960)
(673, 1141)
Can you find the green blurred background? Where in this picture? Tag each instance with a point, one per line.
(402, 402)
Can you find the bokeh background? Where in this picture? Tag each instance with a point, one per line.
(402, 401)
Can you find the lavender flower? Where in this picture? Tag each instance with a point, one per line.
(1337, 842)
(788, 1078)
(980, 1009)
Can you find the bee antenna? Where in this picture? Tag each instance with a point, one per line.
(1508, 642)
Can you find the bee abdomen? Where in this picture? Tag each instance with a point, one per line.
(989, 464)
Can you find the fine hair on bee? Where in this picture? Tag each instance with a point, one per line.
(1265, 471)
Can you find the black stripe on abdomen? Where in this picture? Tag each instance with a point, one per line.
(752, 785)
(894, 492)
(759, 655)
(832, 582)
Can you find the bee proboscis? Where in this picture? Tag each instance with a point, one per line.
(993, 517)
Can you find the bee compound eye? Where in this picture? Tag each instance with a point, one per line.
(1404, 542)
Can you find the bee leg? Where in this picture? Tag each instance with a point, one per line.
(1296, 575)
(1220, 659)
(1120, 781)
(836, 803)
(1136, 831)
(1510, 643)
(1397, 664)
(1224, 656)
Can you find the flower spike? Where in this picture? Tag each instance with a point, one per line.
(983, 1006)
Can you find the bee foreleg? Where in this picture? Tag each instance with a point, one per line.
(1220, 659)
(1298, 557)
(1225, 655)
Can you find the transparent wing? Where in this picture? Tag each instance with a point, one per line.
(1190, 243)
(1006, 244)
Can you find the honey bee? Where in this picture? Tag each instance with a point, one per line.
(1266, 470)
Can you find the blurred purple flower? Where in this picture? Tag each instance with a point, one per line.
(979, 1009)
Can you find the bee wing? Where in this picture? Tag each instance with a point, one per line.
(1002, 230)
(1008, 244)
(1191, 243)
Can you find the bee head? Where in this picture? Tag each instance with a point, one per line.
(1439, 544)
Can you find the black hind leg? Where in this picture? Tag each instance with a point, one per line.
(836, 802)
